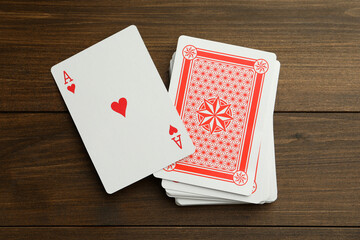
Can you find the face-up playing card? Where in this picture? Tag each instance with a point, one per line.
(223, 95)
(122, 110)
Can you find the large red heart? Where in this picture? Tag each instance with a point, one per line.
(172, 130)
(71, 88)
(120, 107)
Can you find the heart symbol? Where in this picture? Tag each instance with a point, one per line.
(120, 107)
(172, 130)
(71, 88)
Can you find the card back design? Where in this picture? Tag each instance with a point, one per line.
(218, 99)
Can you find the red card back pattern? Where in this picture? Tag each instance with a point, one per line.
(218, 99)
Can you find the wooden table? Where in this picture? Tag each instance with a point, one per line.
(49, 188)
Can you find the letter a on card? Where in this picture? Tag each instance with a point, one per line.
(177, 140)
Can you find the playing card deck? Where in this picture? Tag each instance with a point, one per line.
(210, 138)
(225, 78)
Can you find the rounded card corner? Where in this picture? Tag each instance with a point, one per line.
(181, 37)
(109, 191)
(52, 69)
(133, 26)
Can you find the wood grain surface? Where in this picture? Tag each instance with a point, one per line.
(47, 178)
(317, 43)
(48, 186)
(228, 233)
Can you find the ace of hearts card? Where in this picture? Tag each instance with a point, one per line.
(122, 110)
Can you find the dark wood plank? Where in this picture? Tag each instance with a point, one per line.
(317, 42)
(46, 178)
(228, 233)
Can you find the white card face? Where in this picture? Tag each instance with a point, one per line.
(122, 110)
(238, 83)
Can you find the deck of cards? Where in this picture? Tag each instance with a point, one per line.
(209, 138)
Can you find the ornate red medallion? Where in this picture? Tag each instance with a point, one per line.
(214, 115)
